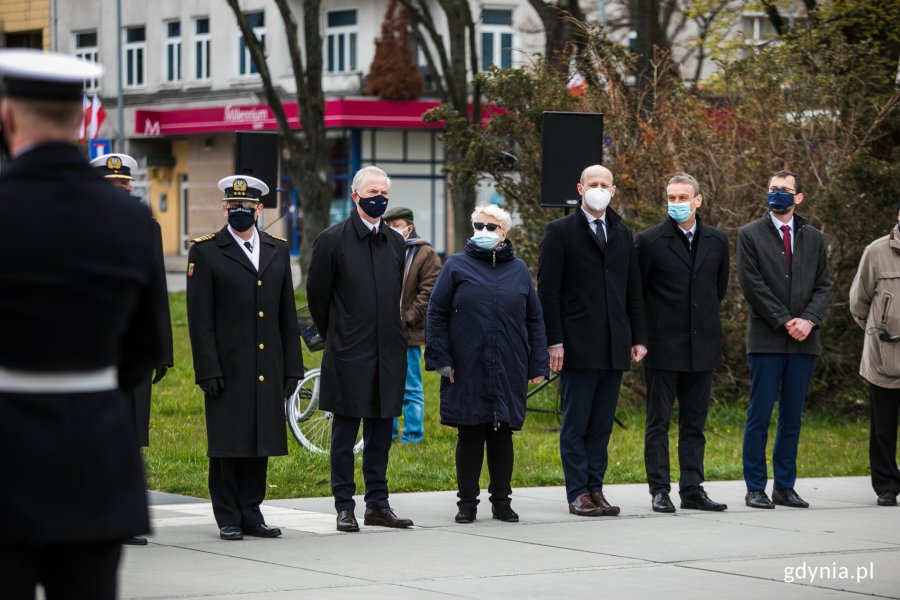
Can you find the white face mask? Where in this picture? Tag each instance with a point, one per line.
(597, 198)
(400, 230)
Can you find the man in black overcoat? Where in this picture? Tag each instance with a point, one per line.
(684, 276)
(353, 290)
(79, 324)
(589, 284)
(246, 345)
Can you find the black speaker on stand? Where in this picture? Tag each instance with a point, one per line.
(570, 142)
(257, 153)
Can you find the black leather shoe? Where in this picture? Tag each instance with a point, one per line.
(698, 500)
(662, 503)
(466, 515)
(788, 498)
(385, 517)
(505, 513)
(231, 532)
(264, 531)
(346, 521)
(758, 500)
(884, 499)
(137, 540)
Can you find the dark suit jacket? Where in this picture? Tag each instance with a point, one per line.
(243, 327)
(353, 289)
(777, 293)
(682, 295)
(79, 288)
(591, 297)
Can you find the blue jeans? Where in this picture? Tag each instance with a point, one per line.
(785, 377)
(413, 399)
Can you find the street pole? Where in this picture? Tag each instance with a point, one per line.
(120, 101)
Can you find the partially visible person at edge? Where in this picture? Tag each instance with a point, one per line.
(420, 270)
(485, 337)
(684, 275)
(783, 271)
(590, 289)
(245, 341)
(875, 306)
(119, 169)
(353, 289)
(80, 324)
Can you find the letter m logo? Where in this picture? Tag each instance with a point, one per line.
(151, 127)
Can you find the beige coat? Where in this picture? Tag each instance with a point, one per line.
(875, 306)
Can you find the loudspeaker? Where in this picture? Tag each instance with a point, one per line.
(569, 143)
(257, 153)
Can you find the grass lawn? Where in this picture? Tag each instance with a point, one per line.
(176, 460)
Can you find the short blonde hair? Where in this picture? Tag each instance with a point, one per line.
(492, 210)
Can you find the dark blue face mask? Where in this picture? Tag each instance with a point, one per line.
(241, 219)
(374, 206)
(780, 201)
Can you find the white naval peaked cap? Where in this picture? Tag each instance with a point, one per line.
(115, 165)
(243, 187)
(29, 73)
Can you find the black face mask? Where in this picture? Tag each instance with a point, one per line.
(241, 219)
(374, 206)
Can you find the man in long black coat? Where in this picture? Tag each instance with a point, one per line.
(119, 170)
(79, 324)
(590, 289)
(684, 275)
(353, 290)
(246, 345)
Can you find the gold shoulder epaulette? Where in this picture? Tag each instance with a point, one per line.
(203, 238)
(280, 239)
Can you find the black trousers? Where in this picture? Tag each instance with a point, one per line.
(377, 444)
(471, 441)
(693, 393)
(237, 486)
(885, 404)
(67, 572)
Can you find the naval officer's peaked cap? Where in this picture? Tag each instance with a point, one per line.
(27, 73)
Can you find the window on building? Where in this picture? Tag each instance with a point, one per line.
(24, 39)
(201, 48)
(340, 41)
(86, 49)
(173, 51)
(757, 28)
(135, 49)
(496, 38)
(257, 21)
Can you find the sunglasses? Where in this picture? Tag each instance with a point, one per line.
(489, 226)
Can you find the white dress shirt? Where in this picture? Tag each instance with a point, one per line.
(253, 254)
(778, 225)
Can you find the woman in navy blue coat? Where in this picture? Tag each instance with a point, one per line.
(485, 337)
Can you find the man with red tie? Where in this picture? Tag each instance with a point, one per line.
(783, 271)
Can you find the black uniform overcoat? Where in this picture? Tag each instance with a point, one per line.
(243, 328)
(141, 393)
(78, 286)
(682, 292)
(353, 290)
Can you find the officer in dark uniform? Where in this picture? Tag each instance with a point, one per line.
(79, 324)
(246, 345)
(118, 169)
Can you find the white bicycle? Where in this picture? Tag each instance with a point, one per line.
(310, 425)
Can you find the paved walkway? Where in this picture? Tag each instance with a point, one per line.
(842, 547)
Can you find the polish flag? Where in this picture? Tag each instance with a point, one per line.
(577, 85)
(85, 117)
(96, 117)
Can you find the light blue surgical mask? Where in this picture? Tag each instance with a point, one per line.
(680, 211)
(486, 239)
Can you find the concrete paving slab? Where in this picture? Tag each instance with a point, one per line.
(741, 553)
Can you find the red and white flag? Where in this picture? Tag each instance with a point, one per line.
(97, 116)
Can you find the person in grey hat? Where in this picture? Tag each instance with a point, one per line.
(79, 326)
(420, 270)
(875, 306)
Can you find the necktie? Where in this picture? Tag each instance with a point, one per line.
(600, 232)
(786, 229)
(690, 238)
(248, 246)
